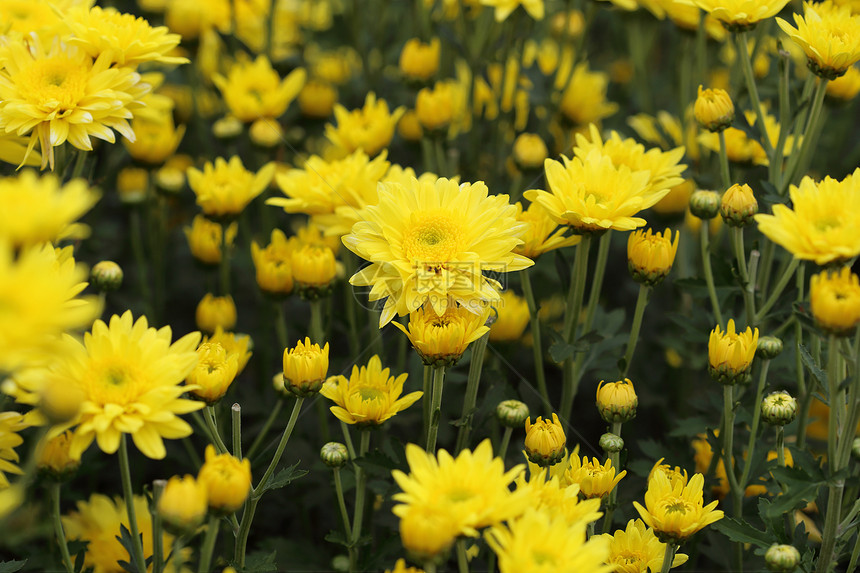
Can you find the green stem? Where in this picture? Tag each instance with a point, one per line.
(724, 162)
(803, 395)
(855, 553)
(737, 240)
(281, 325)
(799, 153)
(831, 520)
(777, 291)
(471, 398)
(427, 401)
(127, 492)
(212, 425)
(613, 495)
(832, 397)
(436, 408)
(261, 435)
(506, 440)
(236, 415)
(316, 327)
(225, 263)
(209, 544)
(641, 303)
(157, 530)
(597, 282)
(136, 236)
(341, 503)
(705, 243)
(360, 489)
(755, 423)
(775, 168)
(462, 560)
(668, 557)
(573, 308)
(176, 552)
(537, 346)
(58, 528)
(746, 64)
(728, 441)
(80, 163)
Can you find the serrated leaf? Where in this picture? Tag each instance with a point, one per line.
(559, 352)
(741, 532)
(809, 361)
(285, 476)
(12, 566)
(337, 537)
(261, 562)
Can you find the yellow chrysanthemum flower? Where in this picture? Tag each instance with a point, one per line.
(741, 14)
(675, 512)
(28, 16)
(730, 353)
(433, 242)
(545, 441)
(272, 263)
(503, 8)
(512, 317)
(616, 401)
(419, 60)
(227, 480)
(370, 396)
(539, 542)
(595, 479)
(11, 423)
(183, 504)
(128, 40)
(636, 549)
(543, 234)
(305, 368)
(549, 495)
(369, 128)
(845, 87)
(54, 459)
(214, 373)
(224, 189)
(650, 256)
(829, 35)
(675, 474)
(428, 531)
(834, 299)
(204, 239)
(156, 139)
(233, 343)
(824, 223)
(215, 312)
(442, 339)
(131, 377)
(60, 94)
(686, 16)
(584, 99)
(253, 90)
(590, 194)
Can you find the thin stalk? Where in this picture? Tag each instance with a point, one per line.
(613, 495)
(728, 441)
(157, 536)
(212, 528)
(281, 325)
(573, 308)
(737, 240)
(537, 346)
(724, 162)
(58, 527)
(471, 397)
(224, 268)
(641, 303)
(347, 439)
(832, 395)
(261, 435)
(136, 236)
(506, 440)
(803, 400)
(341, 503)
(80, 163)
(777, 291)
(176, 552)
(212, 425)
(831, 521)
(236, 415)
(705, 243)
(668, 557)
(845, 443)
(436, 408)
(462, 561)
(744, 56)
(799, 154)
(780, 446)
(597, 281)
(128, 494)
(855, 553)
(427, 402)
(755, 423)
(360, 489)
(775, 173)
(315, 330)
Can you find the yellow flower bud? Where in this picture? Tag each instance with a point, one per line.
(739, 205)
(60, 402)
(266, 133)
(132, 184)
(183, 504)
(227, 128)
(714, 109)
(204, 239)
(427, 533)
(274, 265)
(409, 127)
(512, 317)
(216, 311)
(730, 353)
(545, 441)
(441, 340)
(617, 401)
(314, 269)
(226, 479)
(169, 179)
(782, 557)
(305, 368)
(317, 99)
(835, 301)
(530, 151)
(435, 107)
(214, 373)
(420, 61)
(106, 276)
(512, 413)
(54, 459)
(650, 257)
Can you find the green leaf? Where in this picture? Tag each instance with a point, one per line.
(742, 532)
(809, 361)
(559, 352)
(337, 537)
(285, 476)
(261, 562)
(12, 566)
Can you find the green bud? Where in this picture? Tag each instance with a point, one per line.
(334, 454)
(106, 276)
(778, 409)
(769, 347)
(512, 413)
(782, 557)
(705, 204)
(611, 443)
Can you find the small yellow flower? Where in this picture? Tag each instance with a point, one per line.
(409, 127)
(542, 234)
(314, 268)
(214, 373)
(845, 87)
(214, 312)
(676, 511)
(420, 61)
(530, 151)
(739, 205)
(305, 367)
(55, 458)
(677, 200)
(204, 239)
(225, 188)
(545, 441)
(512, 317)
(369, 128)
(584, 100)
(442, 339)
(370, 396)
(829, 35)
(266, 133)
(650, 257)
(636, 549)
(617, 401)
(156, 139)
(714, 109)
(183, 504)
(730, 353)
(835, 301)
(317, 99)
(226, 479)
(253, 90)
(594, 479)
(274, 264)
(427, 533)
(238, 344)
(741, 14)
(435, 107)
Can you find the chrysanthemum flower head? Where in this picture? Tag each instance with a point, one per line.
(272, 263)
(543, 234)
(584, 99)
(215, 311)
(834, 299)
(730, 353)
(549, 494)
(442, 339)
(419, 60)
(11, 423)
(54, 459)
(595, 479)
(829, 35)
(225, 188)
(617, 401)
(204, 239)
(676, 511)
(233, 343)
(512, 317)
(636, 549)
(369, 128)
(428, 532)
(253, 90)
(741, 14)
(214, 373)
(183, 504)
(545, 441)
(305, 367)
(156, 138)
(675, 474)
(650, 256)
(227, 480)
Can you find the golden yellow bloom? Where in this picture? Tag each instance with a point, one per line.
(226, 479)
(545, 441)
(714, 109)
(543, 234)
(204, 239)
(233, 343)
(128, 40)
(834, 299)
(636, 549)
(824, 223)
(594, 479)
(829, 35)
(730, 353)
(535, 8)
(400, 567)
(673, 474)
(675, 512)
(55, 459)
(11, 423)
(431, 241)
(273, 264)
(305, 367)
(370, 396)
(214, 373)
(132, 185)
(214, 312)
(317, 99)
(253, 90)
(369, 128)
(435, 107)
(195, 19)
(584, 99)
(428, 532)
(183, 504)
(677, 200)
(529, 151)
(617, 401)
(335, 66)
(155, 140)
(409, 127)
(420, 61)
(591, 194)
(549, 495)
(739, 205)
(40, 209)
(512, 317)
(224, 189)
(314, 268)
(442, 339)
(845, 87)
(741, 14)
(650, 257)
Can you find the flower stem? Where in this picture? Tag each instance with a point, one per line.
(236, 415)
(506, 440)
(668, 557)
(209, 416)
(338, 488)
(471, 398)
(705, 243)
(281, 325)
(613, 495)
(261, 435)
(157, 536)
(427, 401)
(777, 291)
(360, 489)
(537, 346)
(209, 544)
(436, 408)
(724, 162)
(573, 308)
(755, 423)
(316, 327)
(128, 493)
(462, 560)
(224, 268)
(641, 303)
(136, 236)
(58, 528)
(737, 240)
(831, 520)
(176, 551)
(799, 153)
(746, 64)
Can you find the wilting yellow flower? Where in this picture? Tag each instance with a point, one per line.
(617, 401)
(442, 339)
(214, 312)
(675, 512)
(835, 301)
(594, 479)
(542, 234)
(714, 109)
(845, 87)
(226, 479)
(584, 99)
(369, 128)
(369, 396)
(432, 241)
(824, 223)
(305, 367)
(829, 35)
(650, 257)
(155, 140)
(317, 99)
(253, 90)
(40, 209)
(591, 194)
(435, 107)
(738, 205)
(224, 189)
(214, 373)
(512, 317)
(420, 61)
(741, 14)
(204, 239)
(183, 504)
(730, 353)
(273, 264)
(128, 40)
(535, 8)
(54, 457)
(238, 344)
(11, 423)
(636, 549)
(538, 541)
(545, 441)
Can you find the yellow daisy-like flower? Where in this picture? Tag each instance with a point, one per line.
(253, 90)
(542, 543)
(156, 138)
(26, 16)
(591, 194)
(428, 531)
(369, 128)
(650, 256)
(829, 35)
(227, 480)
(214, 373)
(370, 396)
(61, 94)
(730, 353)
(11, 423)
(834, 299)
(305, 367)
(433, 242)
(549, 495)
(204, 239)
(741, 14)
(503, 8)
(442, 339)
(595, 479)
(512, 317)
(233, 343)
(545, 441)
(128, 40)
(274, 272)
(824, 223)
(845, 87)
(676, 511)
(543, 234)
(584, 99)
(224, 189)
(131, 377)
(636, 549)
(40, 209)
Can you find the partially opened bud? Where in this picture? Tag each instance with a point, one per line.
(739, 205)
(545, 441)
(714, 109)
(779, 409)
(183, 505)
(617, 401)
(782, 557)
(705, 204)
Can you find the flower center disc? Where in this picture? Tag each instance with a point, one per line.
(432, 238)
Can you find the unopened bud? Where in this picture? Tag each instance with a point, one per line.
(334, 454)
(779, 409)
(617, 401)
(769, 347)
(782, 557)
(739, 205)
(512, 413)
(106, 276)
(705, 204)
(611, 443)
(545, 441)
(227, 128)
